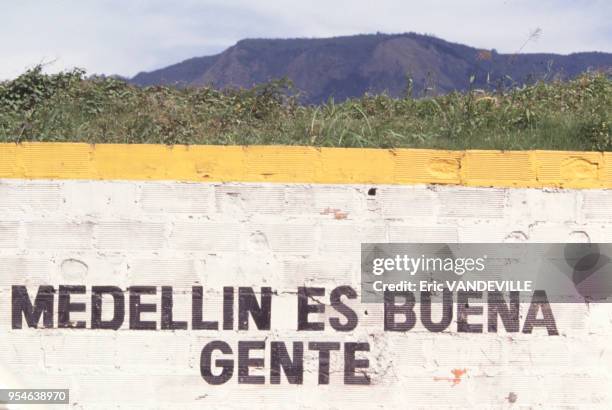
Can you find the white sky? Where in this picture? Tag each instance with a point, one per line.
(128, 36)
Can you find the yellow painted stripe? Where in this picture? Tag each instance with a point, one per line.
(564, 169)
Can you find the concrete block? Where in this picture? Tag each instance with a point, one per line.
(9, 234)
(472, 203)
(58, 235)
(205, 237)
(126, 235)
(175, 198)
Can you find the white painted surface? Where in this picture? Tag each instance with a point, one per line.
(285, 236)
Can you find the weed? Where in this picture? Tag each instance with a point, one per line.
(573, 115)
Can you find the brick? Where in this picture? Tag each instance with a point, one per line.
(56, 160)
(597, 204)
(15, 197)
(424, 234)
(205, 236)
(166, 354)
(427, 166)
(348, 238)
(284, 238)
(58, 235)
(85, 349)
(514, 167)
(472, 203)
(9, 234)
(245, 200)
(29, 354)
(318, 273)
(406, 202)
(122, 235)
(333, 200)
(554, 233)
(179, 198)
(491, 232)
(534, 205)
(101, 198)
(300, 199)
(27, 271)
(445, 350)
(90, 267)
(173, 272)
(575, 169)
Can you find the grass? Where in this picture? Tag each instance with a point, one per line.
(575, 115)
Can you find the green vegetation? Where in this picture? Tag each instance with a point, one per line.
(68, 106)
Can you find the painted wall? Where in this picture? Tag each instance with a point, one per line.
(63, 231)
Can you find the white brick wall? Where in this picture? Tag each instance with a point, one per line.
(9, 234)
(284, 236)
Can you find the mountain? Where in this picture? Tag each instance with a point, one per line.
(344, 67)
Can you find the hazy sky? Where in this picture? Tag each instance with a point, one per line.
(128, 36)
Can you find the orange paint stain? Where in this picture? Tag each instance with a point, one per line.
(338, 214)
(457, 373)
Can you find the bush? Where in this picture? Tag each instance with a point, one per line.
(32, 88)
(599, 133)
(69, 106)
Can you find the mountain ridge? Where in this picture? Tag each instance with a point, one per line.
(349, 66)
